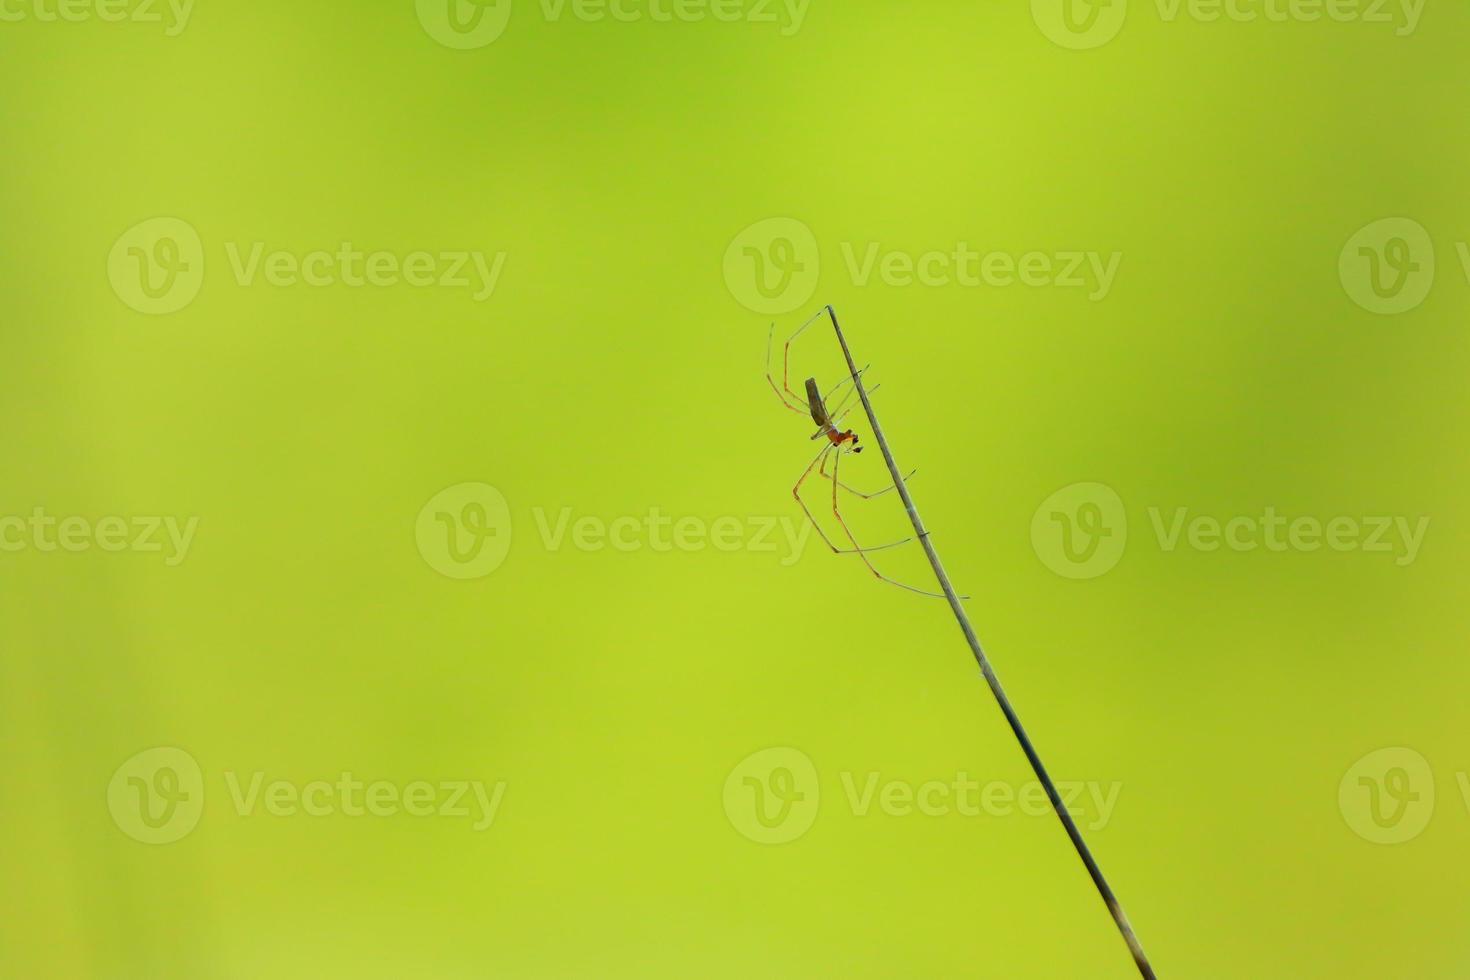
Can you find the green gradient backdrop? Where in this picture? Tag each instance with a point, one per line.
(615, 370)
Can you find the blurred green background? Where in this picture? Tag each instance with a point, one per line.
(1239, 360)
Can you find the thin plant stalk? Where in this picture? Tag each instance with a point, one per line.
(1114, 907)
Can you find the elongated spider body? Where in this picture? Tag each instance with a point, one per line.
(828, 417)
(825, 425)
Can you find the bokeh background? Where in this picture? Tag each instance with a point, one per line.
(312, 628)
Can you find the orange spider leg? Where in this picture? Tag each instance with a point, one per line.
(796, 492)
(836, 512)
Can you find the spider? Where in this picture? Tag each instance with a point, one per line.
(837, 442)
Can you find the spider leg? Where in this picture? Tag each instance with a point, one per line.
(827, 399)
(786, 355)
(836, 512)
(796, 492)
(770, 342)
(845, 411)
(789, 398)
(858, 493)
